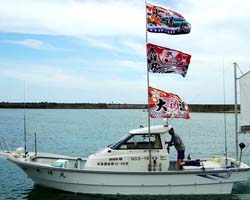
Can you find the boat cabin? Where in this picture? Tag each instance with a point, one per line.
(131, 152)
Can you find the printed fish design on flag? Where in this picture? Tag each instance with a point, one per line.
(165, 60)
(166, 105)
(162, 20)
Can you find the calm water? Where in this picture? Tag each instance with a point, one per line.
(81, 132)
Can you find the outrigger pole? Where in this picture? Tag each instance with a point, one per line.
(149, 133)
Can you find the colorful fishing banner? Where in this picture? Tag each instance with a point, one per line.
(166, 105)
(165, 60)
(161, 20)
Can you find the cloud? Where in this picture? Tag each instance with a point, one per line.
(220, 26)
(83, 86)
(99, 24)
(30, 43)
(44, 75)
(134, 47)
(103, 43)
(75, 18)
(55, 84)
(53, 76)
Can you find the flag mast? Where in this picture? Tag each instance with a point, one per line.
(149, 133)
(157, 23)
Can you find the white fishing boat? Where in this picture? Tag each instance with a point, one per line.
(123, 168)
(137, 164)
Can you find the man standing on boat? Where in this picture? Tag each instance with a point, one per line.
(179, 146)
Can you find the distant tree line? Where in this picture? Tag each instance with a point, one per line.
(52, 105)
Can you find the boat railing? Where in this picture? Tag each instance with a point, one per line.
(4, 145)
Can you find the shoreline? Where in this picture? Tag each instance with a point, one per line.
(220, 108)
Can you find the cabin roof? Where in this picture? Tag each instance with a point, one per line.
(153, 130)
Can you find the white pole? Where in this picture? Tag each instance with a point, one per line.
(149, 134)
(236, 111)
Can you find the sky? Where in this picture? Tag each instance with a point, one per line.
(94, 51)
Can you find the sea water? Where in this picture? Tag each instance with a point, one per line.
(80, 132)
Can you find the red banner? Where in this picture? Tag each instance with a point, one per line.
(165, 60)
(166, 105)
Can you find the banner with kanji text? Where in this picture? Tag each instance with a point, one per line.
(166, 105)
(165, 60)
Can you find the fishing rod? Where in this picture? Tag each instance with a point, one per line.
(225, 116)
(24, 124)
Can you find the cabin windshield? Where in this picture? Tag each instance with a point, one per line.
(138, 141)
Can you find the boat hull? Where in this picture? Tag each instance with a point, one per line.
(196, 189)
(134, 183)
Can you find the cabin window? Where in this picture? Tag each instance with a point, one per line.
(139, 141)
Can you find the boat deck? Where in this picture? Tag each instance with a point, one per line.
(58, 161)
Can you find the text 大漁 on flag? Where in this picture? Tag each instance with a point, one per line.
(166, 105)
(165, 60)
(162, 20)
